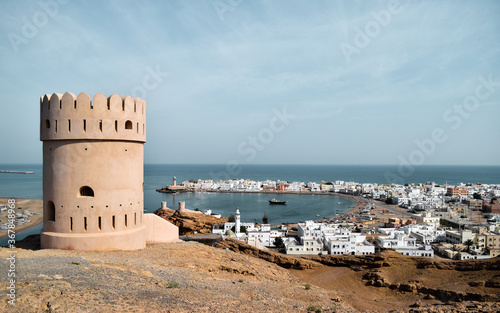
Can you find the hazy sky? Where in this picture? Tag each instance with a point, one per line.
(264, 82)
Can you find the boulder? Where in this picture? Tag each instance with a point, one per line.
(190, 222)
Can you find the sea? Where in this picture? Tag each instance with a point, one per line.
(254, 206)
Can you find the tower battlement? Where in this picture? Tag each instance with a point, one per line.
(70, 117)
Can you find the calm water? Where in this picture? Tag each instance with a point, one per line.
(253, 206)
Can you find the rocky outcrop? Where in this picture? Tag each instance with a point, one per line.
(355, 262)
(398, 273)
(389, 258)
(190, 222)
(276, 258)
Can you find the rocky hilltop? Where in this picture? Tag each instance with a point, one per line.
(235, 277)
(169, 277)
(273, 257)
(190, 222)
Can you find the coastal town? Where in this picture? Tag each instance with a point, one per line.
(459, 221)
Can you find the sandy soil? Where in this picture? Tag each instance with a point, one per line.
(33, 205)
(349, 285)
(176, 277)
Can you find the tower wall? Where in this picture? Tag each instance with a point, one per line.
(93, 156)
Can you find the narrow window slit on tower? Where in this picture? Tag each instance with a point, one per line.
(100, 125)
(71, 224)
(99, 222)
(51, 211)
(55, 129)
(47, 124)
(135, 218)
(135, 107)
(60, 104)
(69, 126)
(116, 126)
(143, 129)
(113, 222)
(75, 104)
(84, 125)
(126, 224)
(85, 223)
(137, 127)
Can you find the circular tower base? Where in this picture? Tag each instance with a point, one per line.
(122, 240)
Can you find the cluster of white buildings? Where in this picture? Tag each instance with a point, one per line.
(420, 196)
(323, 238)
(257, 235)
(431, 204)
(412, 240)
(247, 185)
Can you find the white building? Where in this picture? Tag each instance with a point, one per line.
(295, 186)
(405, 244)
(346, 242)
(427, 218)
(311, 228)
(425, 234)
(314, 187)
(459, 236)
(308, 245)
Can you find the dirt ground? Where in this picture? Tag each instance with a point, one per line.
(350, 286)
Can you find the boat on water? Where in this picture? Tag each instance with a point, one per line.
(274, 201)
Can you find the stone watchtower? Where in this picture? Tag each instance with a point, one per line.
(93, 156)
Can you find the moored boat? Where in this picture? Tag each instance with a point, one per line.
(274, 201)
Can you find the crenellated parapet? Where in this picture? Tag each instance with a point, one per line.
(70, 117)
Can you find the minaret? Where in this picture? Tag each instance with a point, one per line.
(93, 157)
(237, 224)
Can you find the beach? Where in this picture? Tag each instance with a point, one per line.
(33, 205)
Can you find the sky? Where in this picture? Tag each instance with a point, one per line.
(266, 81)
